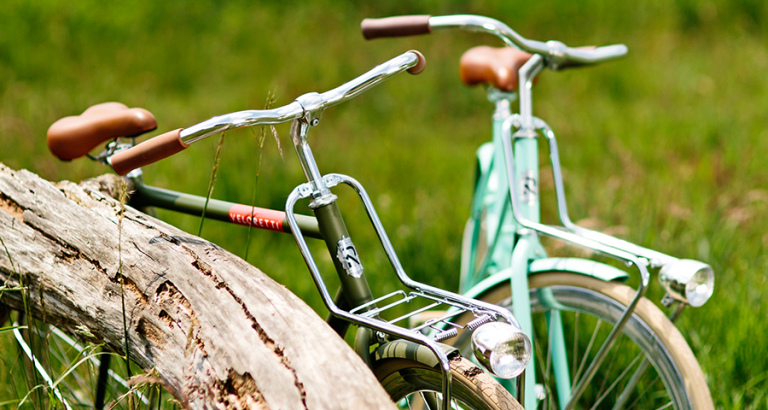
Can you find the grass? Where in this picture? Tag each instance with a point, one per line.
(665, 143)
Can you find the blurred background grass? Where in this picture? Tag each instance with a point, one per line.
(662, 146)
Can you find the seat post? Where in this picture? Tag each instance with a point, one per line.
(502, 100)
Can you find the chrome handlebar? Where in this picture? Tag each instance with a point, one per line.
(311, 102)
(406, 61)
(556, 54)
(240, 119)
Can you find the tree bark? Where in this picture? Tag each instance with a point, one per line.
(218, 331)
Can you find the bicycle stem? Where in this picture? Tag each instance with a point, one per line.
(299, 131)
(528, 72)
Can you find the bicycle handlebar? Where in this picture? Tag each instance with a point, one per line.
(170, 143)
(557, 55)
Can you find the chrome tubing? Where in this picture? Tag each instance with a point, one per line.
(300, 107)
(556, 53)
(299, 130)
(331, 180)
(675, 273)
(656, 259)
(370, 79)
(241, 119)
(528, 72)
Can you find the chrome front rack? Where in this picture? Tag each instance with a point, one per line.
(367, 314)
(419, 290)
(439, 328)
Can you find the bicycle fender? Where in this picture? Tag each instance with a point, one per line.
(405, 349)
(585, 267)
(580, 266)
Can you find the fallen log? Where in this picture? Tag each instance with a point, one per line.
(219, 332)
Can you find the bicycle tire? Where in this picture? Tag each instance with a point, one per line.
(472, 388)
(673, 366)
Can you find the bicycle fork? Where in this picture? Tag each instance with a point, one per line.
(522, 173)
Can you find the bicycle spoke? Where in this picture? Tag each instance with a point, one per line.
(430, 400)
(575, 343)
(575, 380)
(63, 353)
(616, 382)
(549, 350)
(38, 366)
(539, 360)
(624, 396)
(616, 351)
(643, 393)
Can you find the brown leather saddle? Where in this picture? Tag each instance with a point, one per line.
(497, 67)
(73, 137)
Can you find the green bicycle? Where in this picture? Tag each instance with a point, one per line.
(412, 365)
(597, 343)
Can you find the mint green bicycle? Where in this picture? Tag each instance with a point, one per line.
(597, 342)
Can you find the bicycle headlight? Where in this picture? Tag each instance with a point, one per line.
(501, 348)
(688, 281)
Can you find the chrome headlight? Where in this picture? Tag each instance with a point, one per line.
(502, 349)
(688, 281)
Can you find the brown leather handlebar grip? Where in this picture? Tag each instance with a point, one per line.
(73, 137)
(399, 26)
(148, 152)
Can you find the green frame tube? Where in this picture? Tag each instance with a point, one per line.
(334, 232)
(149, 196)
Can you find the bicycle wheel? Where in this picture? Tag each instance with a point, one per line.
(412, 385)
(650, 366)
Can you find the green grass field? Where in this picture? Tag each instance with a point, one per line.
(663, 145)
